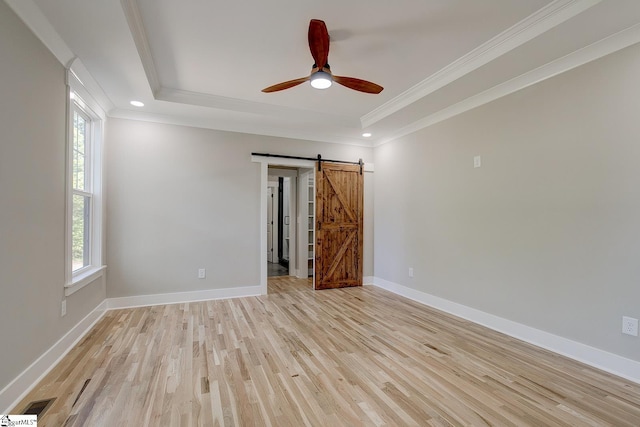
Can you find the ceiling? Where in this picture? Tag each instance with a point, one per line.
(204, 63)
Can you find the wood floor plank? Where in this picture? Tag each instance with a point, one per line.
(340, 357)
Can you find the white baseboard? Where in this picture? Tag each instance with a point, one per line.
(17, 389)
(609, 362)
(181, 297)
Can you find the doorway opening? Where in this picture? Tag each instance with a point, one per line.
(297, 248)
(290, 211)
(338, 194)
(280, 227)
(277, 256)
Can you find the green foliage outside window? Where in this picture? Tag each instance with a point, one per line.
(81, 206)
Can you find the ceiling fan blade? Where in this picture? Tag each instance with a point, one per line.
(319, 42)
(358, 84)
(285, 85)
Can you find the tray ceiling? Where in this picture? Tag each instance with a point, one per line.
(204, 63)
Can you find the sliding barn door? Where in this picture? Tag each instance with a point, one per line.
(339, 212)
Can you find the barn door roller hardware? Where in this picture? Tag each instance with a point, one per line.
(318, 159)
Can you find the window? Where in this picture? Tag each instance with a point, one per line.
(81, 188)
(84, 182)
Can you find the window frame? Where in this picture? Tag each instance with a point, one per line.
(87, 192)
(80, 100)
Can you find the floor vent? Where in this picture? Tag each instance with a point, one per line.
(38, 407)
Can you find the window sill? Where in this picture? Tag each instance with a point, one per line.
(82, 280)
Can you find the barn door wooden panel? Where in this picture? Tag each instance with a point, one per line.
(339, 213)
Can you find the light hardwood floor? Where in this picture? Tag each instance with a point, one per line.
(341, 357)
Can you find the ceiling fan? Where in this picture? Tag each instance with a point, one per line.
(321, 76)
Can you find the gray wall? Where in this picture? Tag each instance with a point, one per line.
(32, 201)
(182, 198)
(547, 232)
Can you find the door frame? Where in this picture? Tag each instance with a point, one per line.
(265, 162)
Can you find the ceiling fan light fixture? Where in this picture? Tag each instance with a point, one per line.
(321, 80)
(321, 76)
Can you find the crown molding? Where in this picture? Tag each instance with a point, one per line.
(140, 39)
(162, 93)
(35, 20)
(599, 49)
(532, 26)
(226, 126)
(93, 89)
(251, 107)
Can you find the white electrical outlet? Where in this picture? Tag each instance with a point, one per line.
(477, 162)
(63, 307)
(630, 326)
(410, 271)
(202, 273)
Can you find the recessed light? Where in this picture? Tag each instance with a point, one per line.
(366, 134)
(137, 103)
